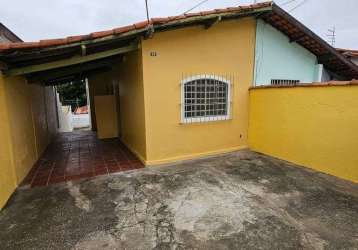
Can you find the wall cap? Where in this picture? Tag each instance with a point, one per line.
(306, 85)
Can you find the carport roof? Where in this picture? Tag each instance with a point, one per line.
(18, 55)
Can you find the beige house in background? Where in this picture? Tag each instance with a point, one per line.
(7, 35)
(350, 54)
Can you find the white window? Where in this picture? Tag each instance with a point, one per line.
(205, 98)
(284, 82)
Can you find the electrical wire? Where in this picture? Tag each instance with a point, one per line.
(196, 6)
(287, 2)
(146, 7)
(297, 6)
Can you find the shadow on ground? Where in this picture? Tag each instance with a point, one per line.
(242, 200)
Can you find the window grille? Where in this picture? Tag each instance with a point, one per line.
(284, 82)
(205, 98)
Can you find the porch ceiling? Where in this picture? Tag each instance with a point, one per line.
(74, 72)
(61, 65)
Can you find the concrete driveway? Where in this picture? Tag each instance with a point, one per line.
(242, 200)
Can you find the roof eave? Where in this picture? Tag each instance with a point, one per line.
(281, 12)
(145, 26)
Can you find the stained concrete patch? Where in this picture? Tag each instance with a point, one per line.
(98, 240)
(242, 200)
(81, 200)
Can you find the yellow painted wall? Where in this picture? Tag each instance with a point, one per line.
(7, 169)
(44, 115)
(227, 48)
(312, 126)
(129, 75)
(24, 130)
(22, 125)
(106, 116)
(38, 107)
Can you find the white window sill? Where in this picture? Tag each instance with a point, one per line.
(205, 119)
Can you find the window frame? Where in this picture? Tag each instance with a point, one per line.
(211, 118)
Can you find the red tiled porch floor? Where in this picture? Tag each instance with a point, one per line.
(79, 155)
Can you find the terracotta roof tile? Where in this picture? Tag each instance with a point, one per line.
(246, 7)
(159, 20)
(81, 110)
(271, 18)
(171, 18)
(4, 46)
(23, 45)
(53, 42)
(141, 25)
(209, 12)
(73, 39)
(192, 14)
(180, 17)
(121, 30)
(348, 52)
(232, 9)
(100, 34)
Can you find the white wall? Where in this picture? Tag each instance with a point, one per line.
(64, 116)
(277, 58)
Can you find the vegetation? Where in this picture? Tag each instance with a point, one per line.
(73, 93)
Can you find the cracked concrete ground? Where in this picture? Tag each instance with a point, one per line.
(242, 200)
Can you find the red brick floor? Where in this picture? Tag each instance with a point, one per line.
(79, 155)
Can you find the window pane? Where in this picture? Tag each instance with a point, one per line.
(205, 97)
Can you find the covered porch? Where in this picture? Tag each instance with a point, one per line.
(33, 152)
(78, 155)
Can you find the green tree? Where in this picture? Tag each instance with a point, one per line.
(73, 93)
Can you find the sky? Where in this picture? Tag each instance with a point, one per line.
(44, 19)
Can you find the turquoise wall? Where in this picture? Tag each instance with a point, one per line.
(277, 58)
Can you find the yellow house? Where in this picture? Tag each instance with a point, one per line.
(176, 75)
(171, 88)
(154, 84)
(180, 59)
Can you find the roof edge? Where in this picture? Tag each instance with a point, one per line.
(348, 52)
(281, 12)
(134, 28)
